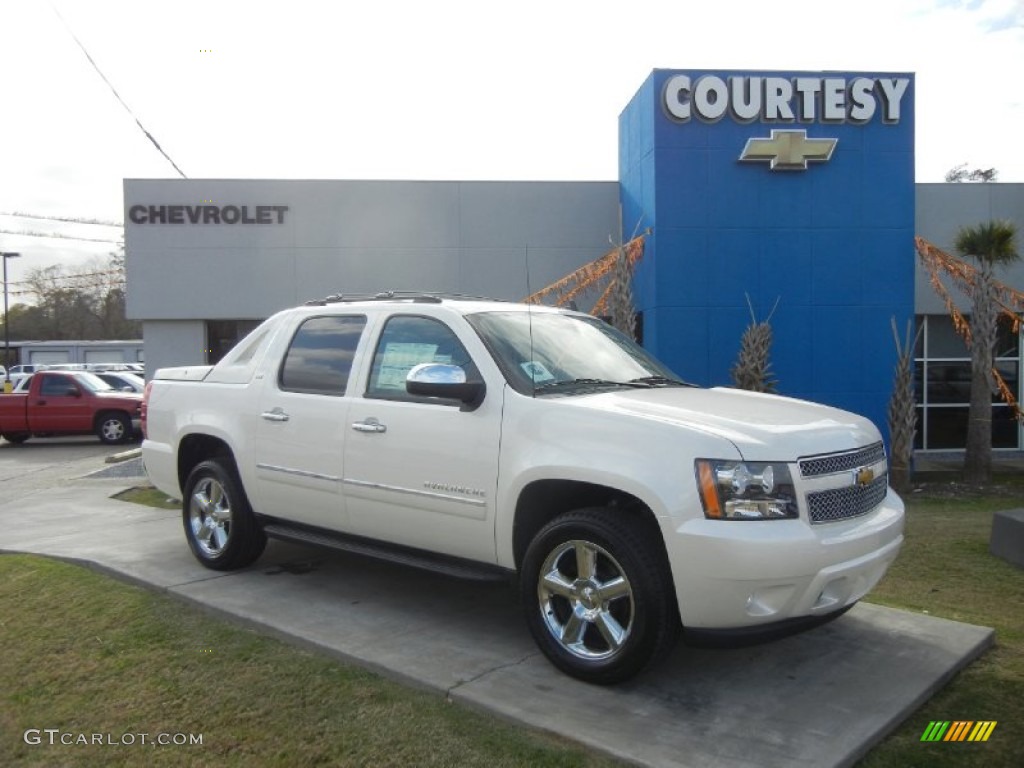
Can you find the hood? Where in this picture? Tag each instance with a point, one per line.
(115, 395)
(762, 427)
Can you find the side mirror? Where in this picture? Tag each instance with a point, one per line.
(447, 381)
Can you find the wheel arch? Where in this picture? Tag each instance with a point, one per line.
(543, 500)
(195, 448)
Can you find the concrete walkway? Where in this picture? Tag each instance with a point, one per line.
(821, 698)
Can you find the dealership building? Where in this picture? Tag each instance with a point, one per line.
(789, 194)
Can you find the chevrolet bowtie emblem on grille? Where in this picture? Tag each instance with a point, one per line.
(789, 150)
(864, 476)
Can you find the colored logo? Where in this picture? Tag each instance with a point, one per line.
(789, 150)
(958, 730)
(864, 476)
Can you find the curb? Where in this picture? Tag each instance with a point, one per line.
(115, 458)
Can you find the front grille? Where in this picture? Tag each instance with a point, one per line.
(841, 462)
(842, 503)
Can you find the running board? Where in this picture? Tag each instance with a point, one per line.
(415, 558)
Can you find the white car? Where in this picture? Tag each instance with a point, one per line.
(19, 373)
(122, 380)
(492, 439)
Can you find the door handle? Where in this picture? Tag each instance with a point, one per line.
(275, 415)
(369, 425)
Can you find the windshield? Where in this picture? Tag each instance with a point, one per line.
(544, 353)
(92, 382)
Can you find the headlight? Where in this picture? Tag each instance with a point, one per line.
(745, 490)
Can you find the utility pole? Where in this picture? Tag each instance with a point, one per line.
(7, 333)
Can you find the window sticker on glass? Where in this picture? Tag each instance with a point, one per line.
(536, 371)
(399, 359)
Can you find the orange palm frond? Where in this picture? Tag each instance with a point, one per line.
(567, 288)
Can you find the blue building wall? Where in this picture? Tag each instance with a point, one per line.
(832, 244)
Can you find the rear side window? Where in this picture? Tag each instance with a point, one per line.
(319, 359)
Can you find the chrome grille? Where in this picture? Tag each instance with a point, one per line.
(841, 462)
(842, 503)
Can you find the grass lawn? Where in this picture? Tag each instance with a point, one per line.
(945, 569)
(87, 654)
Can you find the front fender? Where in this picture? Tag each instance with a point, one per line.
(551, 439)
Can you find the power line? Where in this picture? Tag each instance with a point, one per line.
(55, 236)
(60, 275)
(69, 219)
(64, 281)
(116, 94)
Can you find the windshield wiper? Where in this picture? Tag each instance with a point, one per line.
(660, 381)
(571, 383)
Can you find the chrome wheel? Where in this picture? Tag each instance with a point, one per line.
(210, 516)
(586, 600)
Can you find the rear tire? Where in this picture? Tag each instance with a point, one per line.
(17, 438)
(113, 428)
(598, 594)
(220, 526)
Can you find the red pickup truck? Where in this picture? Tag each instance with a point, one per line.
(69, 403)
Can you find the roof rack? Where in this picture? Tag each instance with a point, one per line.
(415, 297)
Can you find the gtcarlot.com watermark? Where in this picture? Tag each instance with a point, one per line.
(55, 737)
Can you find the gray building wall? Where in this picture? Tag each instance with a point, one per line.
(942, 209)
(499, 239)
(173, 342)
(95, 351)
(359, 236)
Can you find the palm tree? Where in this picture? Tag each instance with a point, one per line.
(989, 244)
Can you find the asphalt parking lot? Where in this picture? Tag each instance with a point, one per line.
(821, 698)
(42, 463)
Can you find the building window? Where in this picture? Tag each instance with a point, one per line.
(222, 335)
(943, 386)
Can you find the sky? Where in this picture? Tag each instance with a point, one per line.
(438, 89)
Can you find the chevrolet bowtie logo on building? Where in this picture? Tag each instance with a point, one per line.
(789, 150)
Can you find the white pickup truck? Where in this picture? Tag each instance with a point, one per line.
(488, 439)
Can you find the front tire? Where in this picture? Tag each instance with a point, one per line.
(598, 594)
(220, 526)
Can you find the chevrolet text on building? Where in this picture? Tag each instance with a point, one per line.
(785, 100)
(207, 214)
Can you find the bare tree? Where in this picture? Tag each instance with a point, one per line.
(961, 173)
(85, 303)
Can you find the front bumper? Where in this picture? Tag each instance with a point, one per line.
(732, 574)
